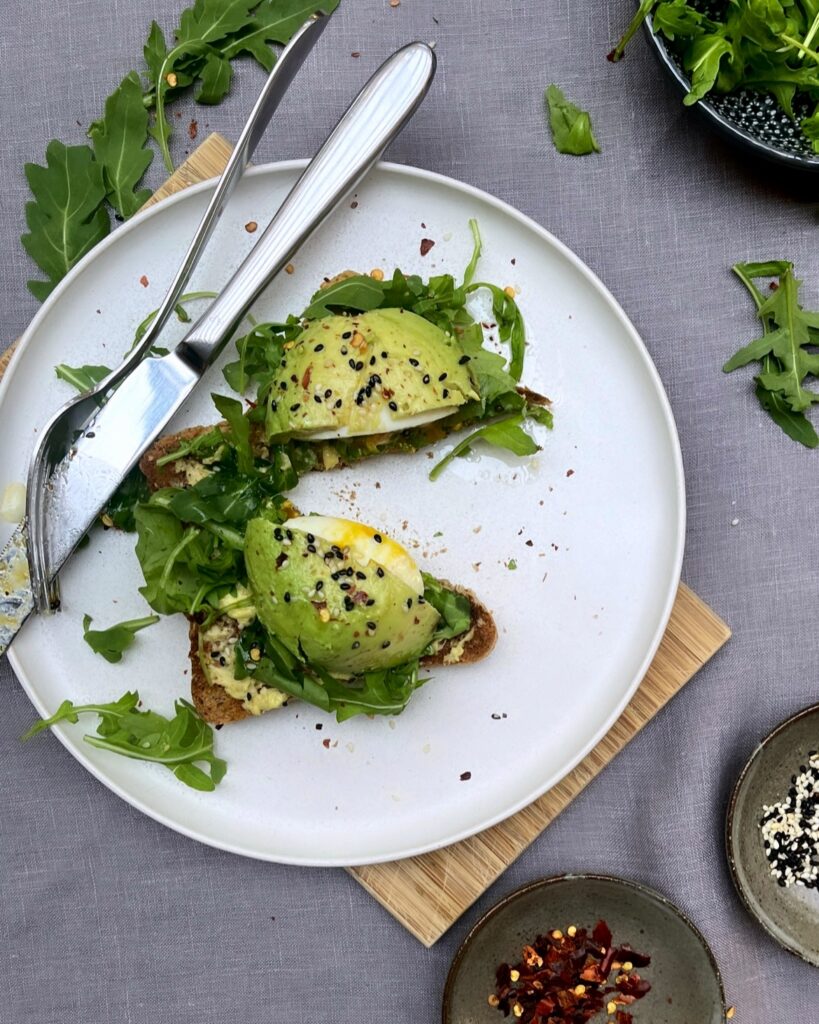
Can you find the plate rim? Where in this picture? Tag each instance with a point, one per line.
(570, 876)
(408, 172)
(731, 847)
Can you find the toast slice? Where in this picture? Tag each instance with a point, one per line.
(216, 706)
(212, 701)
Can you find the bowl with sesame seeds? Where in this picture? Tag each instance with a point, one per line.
(772, 834)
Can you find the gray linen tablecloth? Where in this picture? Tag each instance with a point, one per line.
(106, 916)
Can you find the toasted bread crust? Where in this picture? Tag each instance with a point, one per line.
(216, 705)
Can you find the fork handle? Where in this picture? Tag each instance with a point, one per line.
(372, 121)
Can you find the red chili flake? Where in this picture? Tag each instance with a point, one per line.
(326, 743)
(565, 977)
(144, 281)
(426, 245)
(466, 776)
(193, 128)
(354, 205)
(356, 53)
(569, 472)
(773, 286)
(514, 261)
(305, 380)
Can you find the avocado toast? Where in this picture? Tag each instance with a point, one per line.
(468, 633)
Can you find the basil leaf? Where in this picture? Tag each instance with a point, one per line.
(184, 743)
(119, 146)
(571, 126)
(66, 218)
(111, 643)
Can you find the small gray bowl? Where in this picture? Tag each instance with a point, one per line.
(789, 915)
(750, 120)
(685, 979)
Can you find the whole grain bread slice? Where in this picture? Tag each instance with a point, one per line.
(212, 701)
(216, 705)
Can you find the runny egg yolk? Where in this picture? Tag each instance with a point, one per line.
(365, 544)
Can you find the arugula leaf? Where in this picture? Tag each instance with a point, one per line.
(83, 378)
(66, 218)
(778, 388)
(703, 62)
(119, 146)
(454, 608)
(231, 409)
(273, 22)
(119, 512)
(643, 11)
(505, 433)
(183, 743)
(111, 643)
(571, 126)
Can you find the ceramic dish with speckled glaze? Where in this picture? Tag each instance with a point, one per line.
(685, 980)
(789, 914)
(751, 120)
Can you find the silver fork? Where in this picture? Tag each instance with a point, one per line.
(68, 423)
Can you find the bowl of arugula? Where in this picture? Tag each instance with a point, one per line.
(751, 67)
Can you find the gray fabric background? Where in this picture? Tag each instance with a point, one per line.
(105, 915)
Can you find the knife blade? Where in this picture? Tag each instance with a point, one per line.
(132, 418)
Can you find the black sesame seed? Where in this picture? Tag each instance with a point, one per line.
(384, 355)
(409, 602)
(277, 533)
(359, 365)
(442, 377)
(361, 576)
(317, 398)
(394, 406)
(372, 360)
(356, 644)
(371, 625)
(375, 379)
(463, 360)
(345, 586)
(319, 348)
(289, 534)
(377, 538)
(287, 597)
(371, 602)
(426, 378)
(413, 362)
(294, 378)
(347, 335)
(296, 406)
(283, 385)
(338, 404)
(349, 604)
(328, 392)
(421, 600)
(274, 405)
(335, 575)
(319, 584)
(385, 645)
(311, 548)
(359, 398)
(344, 350)
(351, 363)
(310, 538)
(445, 393)
(379, 572)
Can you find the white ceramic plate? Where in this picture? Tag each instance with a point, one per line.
(594, 524)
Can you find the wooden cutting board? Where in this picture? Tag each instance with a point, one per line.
(428, 894)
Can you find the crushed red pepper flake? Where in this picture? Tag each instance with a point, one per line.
(466, 776)
(426, 245)
(193, 128)
(566, 977)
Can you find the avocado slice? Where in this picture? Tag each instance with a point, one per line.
(371, 373)
(333, 605)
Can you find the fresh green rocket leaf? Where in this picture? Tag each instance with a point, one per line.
(119, 145)
(217, 74)
(83, 378)
(184, 743)
(232, 410)
(111, 643)
(273, 22)
(703, 62)
(505, 433)
(571, 126)
(66, 218)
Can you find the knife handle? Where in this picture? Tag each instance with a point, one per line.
(372, 121)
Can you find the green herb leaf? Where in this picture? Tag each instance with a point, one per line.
(571, 126)
(119, 146)
(505, 433)
(454, 608)
(119, 512)
(232, 410)
(83, 378)
(184, 743)
(66, 219)
(703, 62)
(273, 21)
(111, 643)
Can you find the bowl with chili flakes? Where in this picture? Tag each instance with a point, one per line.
(580, 948)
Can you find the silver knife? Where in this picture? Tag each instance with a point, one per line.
(152, 393)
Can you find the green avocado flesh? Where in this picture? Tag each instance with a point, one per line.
(366, 374)
(340, 614)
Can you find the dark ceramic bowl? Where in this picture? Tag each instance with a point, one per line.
(752, 121)
(789, 915)
(684, 976)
